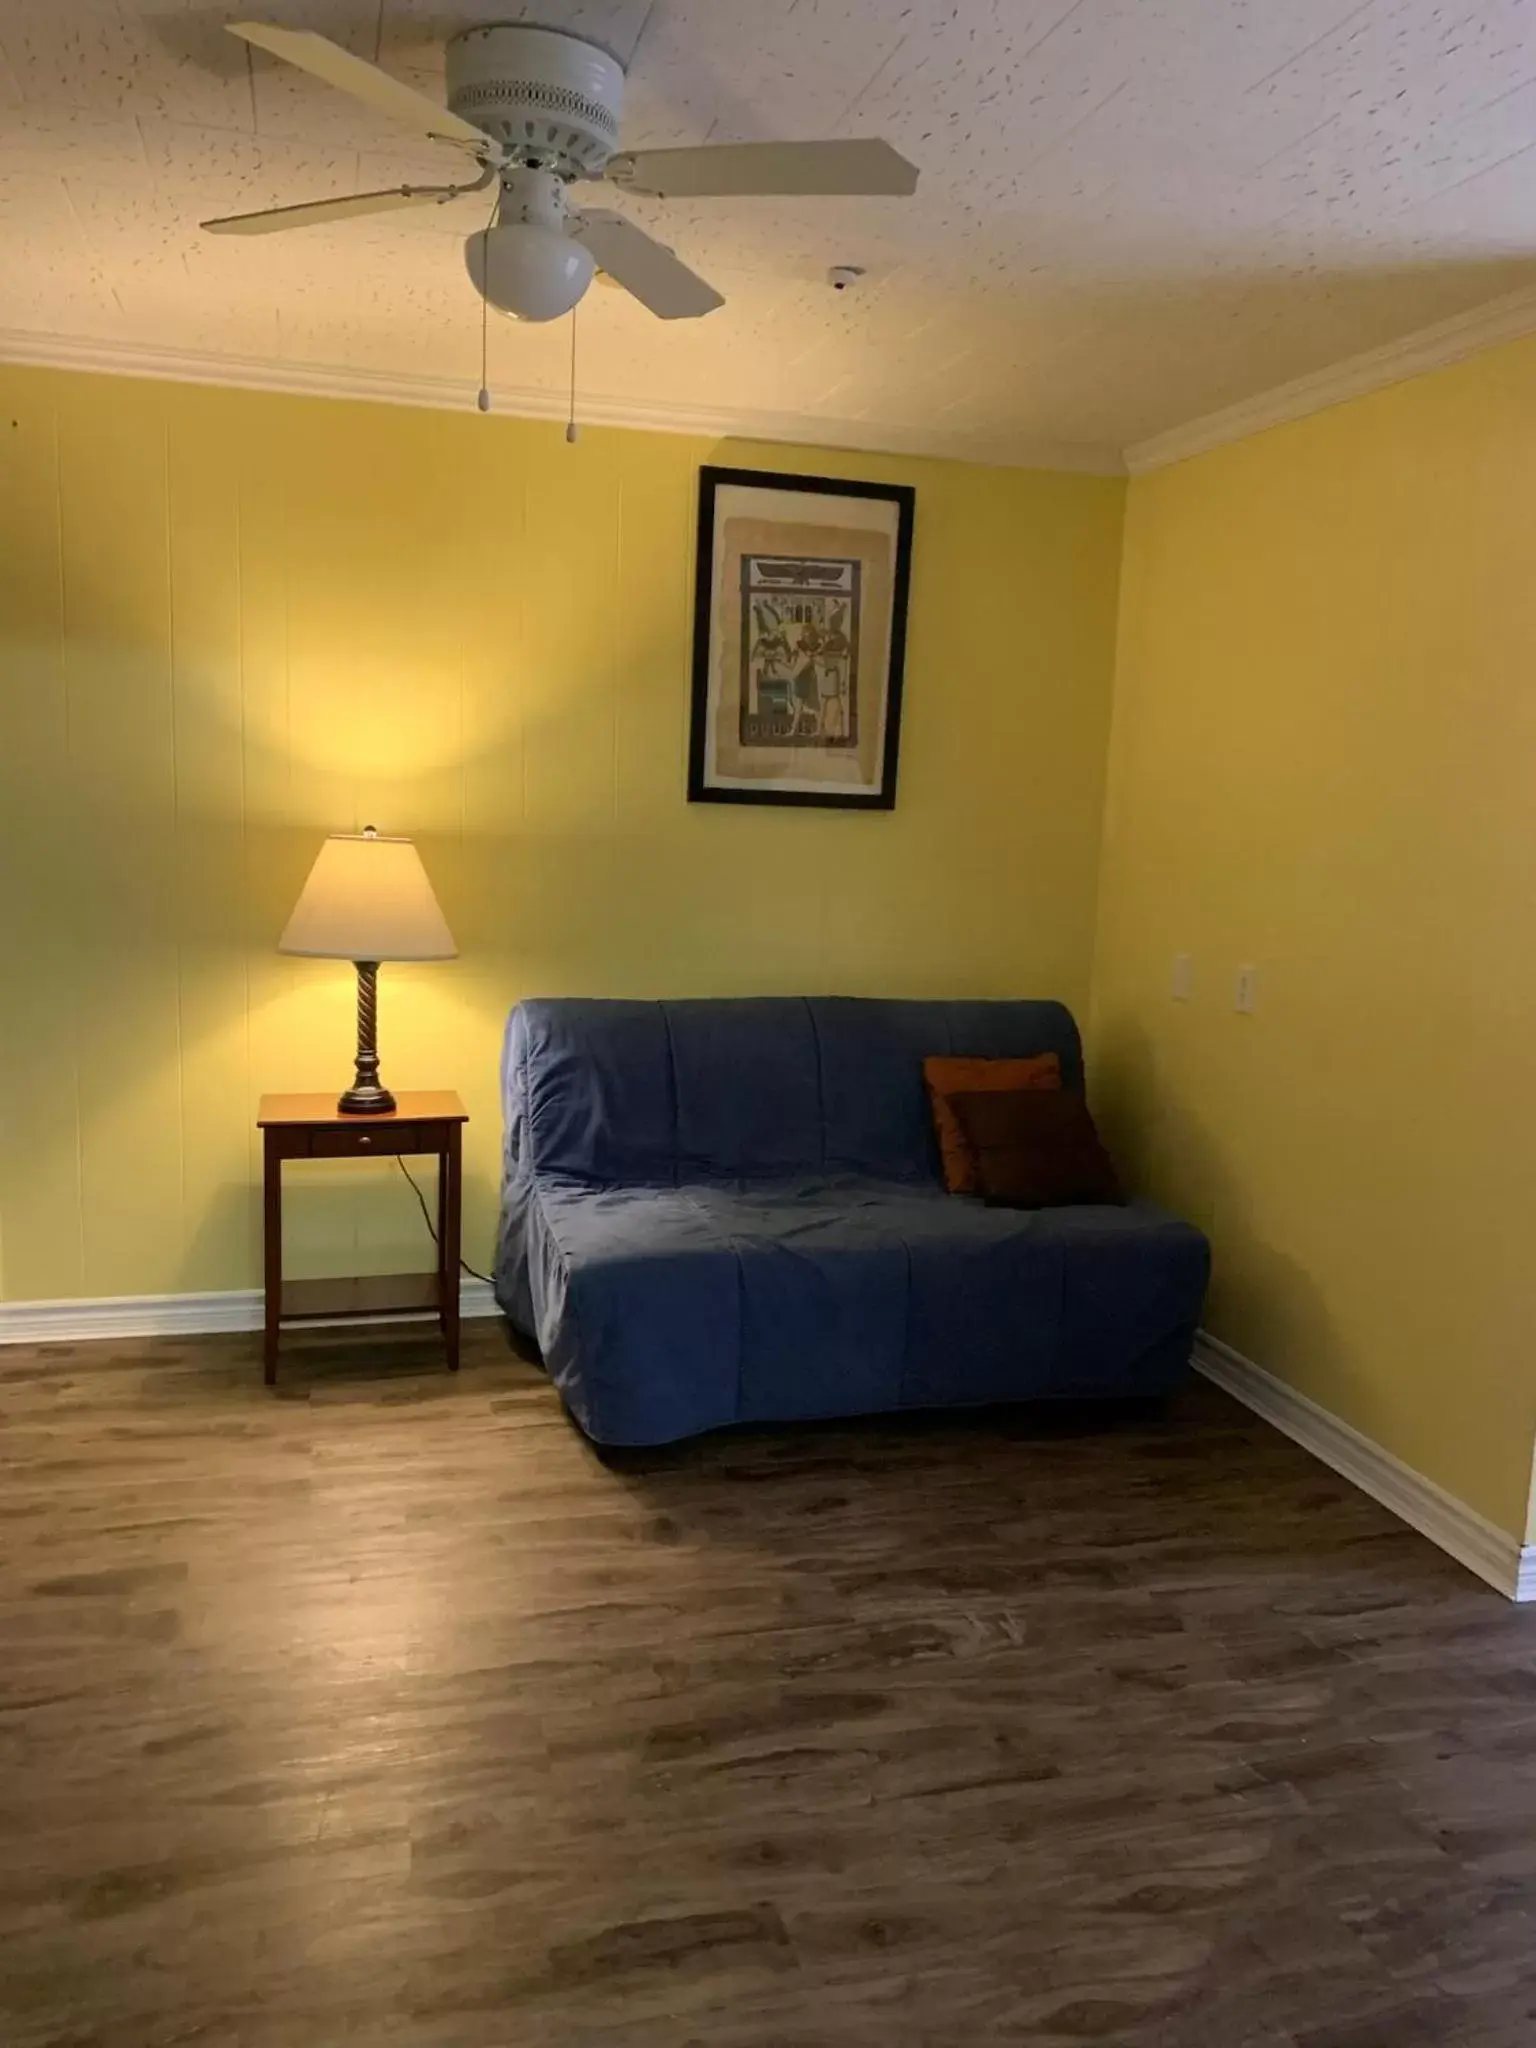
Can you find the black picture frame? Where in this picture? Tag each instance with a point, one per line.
(712, 479)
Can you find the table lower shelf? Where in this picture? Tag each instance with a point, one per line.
(377, 1294)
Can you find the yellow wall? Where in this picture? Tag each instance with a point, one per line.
(231, 622)
(1324, 762)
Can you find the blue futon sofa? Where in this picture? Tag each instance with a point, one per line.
(731, 1211)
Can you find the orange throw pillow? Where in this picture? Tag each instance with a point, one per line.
(945, 1077)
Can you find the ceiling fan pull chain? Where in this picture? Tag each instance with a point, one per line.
(483, 397)
(572, 431)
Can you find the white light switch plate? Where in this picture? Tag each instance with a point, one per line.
(1247, 991)
(1181, 983)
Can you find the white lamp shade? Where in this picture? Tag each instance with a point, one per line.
(529, 270)
(368, 898)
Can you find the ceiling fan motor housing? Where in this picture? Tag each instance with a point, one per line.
(553, 100)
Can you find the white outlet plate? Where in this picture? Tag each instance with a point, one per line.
(1181, 983)
(1247, 991)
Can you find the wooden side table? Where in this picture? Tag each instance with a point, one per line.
(311, 1127)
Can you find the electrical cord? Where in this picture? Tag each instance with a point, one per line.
(426, 1217)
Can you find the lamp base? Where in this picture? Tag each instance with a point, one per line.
(366, 1097)
(366, 1102)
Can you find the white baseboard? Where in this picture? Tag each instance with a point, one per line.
(169, 1315)
(1448, 1522)
(1457, 1529)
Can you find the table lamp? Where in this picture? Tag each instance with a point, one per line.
(367, 899)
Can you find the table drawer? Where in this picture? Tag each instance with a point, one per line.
(358, 1141)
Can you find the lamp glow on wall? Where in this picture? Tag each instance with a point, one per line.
(367, 900)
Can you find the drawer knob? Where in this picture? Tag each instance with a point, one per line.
(365, 1141)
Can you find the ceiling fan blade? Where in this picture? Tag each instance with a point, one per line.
(724, 170)
(326, 60)
(645, 267)
(273, 219)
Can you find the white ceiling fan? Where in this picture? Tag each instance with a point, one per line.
(536, 110)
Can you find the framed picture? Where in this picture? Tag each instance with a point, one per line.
(799, 638)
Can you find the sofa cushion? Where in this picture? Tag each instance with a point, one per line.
(645, 1093)
(747, 1087)
(679, 1309)
(587, 1086)
(873, 1105)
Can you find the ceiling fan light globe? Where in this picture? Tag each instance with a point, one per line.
(532, 272)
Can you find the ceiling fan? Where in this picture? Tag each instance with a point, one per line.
(536, 110)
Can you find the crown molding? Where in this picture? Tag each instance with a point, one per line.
(1510, 318)
(991, 450)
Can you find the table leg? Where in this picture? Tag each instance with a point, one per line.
(443, 1269)
(450, 1201)
(272, 1251)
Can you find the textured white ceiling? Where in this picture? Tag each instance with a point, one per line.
(1132, 212)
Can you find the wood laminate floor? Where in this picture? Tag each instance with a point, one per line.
(382, 1712)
